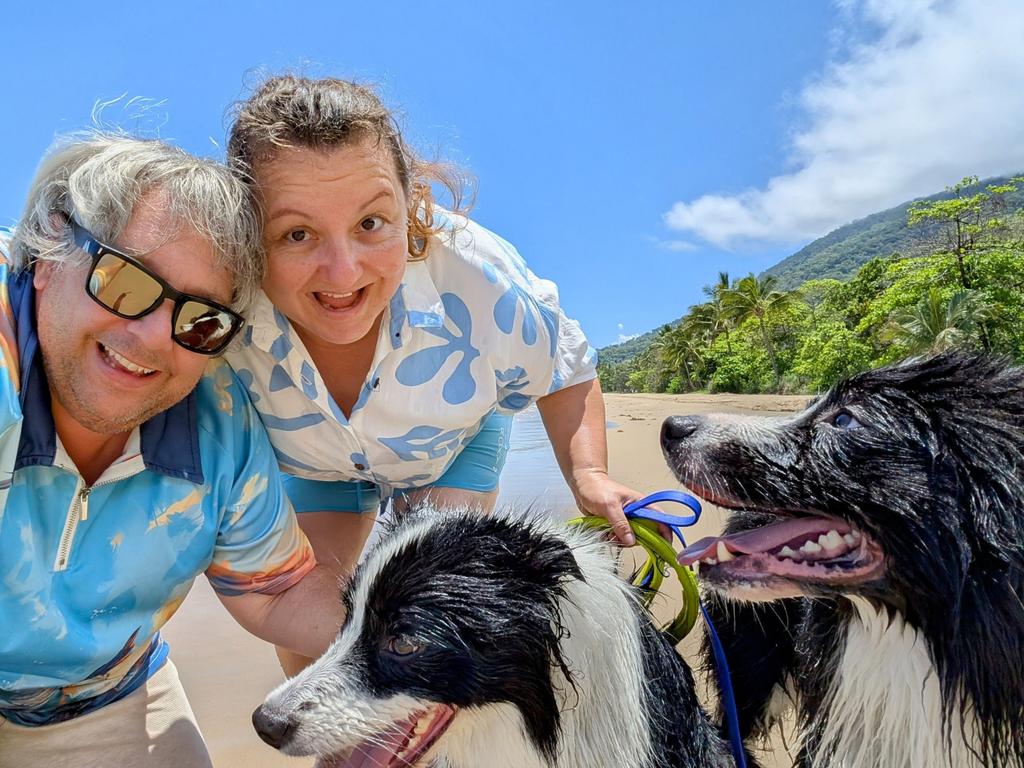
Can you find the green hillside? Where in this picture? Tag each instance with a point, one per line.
(842, 252)
(627, 350)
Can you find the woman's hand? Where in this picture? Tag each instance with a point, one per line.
(597, 494)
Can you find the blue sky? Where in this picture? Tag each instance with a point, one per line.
(630, 151)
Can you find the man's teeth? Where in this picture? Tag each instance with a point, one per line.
(337, 295)
(127, 364)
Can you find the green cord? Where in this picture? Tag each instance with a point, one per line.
(660, 557)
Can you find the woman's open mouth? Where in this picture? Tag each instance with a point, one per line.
(403, 746)
(338, 302)
(813, 550)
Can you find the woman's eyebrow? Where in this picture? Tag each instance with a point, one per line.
(276, 214)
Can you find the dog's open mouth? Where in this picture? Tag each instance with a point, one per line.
(403, 746)
(811, 550)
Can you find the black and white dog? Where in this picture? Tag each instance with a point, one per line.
(500, 642)
(885, 525)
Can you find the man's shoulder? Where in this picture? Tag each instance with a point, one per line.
(224, 411)
(9, 357)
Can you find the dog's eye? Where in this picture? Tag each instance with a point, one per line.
(403, 645)
(845, 420)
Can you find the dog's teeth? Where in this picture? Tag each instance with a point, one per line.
(696, 567)
(810, 548)
(710, 561)
(831, 541)
(787, 551)
(421, 726)
(724, 555)
(850, 540)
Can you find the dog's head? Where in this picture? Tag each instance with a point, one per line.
(904, 481)
(451, 611)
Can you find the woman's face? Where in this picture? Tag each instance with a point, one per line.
(336, 235)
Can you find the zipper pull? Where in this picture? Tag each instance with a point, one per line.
(84, 497)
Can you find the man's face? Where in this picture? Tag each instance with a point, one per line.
(110, 374)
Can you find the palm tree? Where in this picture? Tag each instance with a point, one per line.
(719, 315)
(759, 297)
(934, 325)
(678, 351)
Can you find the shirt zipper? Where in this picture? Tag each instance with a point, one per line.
(79, 512)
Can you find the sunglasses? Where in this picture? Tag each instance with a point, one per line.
(122, 285)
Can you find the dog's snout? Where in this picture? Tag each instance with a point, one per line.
(678, 428)
(272, 727)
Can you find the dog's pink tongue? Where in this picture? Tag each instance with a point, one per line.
(381, 752)
(762, 539)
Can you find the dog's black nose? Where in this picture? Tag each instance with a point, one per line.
(678, 428)
(272, 728)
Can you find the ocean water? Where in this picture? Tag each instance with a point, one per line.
(531, 477)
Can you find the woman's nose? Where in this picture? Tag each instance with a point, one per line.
(340, 263)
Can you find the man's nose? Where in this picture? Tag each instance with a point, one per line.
(154, 329)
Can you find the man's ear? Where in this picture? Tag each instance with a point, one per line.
(41, 274)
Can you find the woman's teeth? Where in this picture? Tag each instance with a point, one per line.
(330, 300)
(123, 362)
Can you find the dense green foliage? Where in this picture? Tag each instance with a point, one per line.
(964, 286)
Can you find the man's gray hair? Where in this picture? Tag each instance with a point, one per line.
(100, 180)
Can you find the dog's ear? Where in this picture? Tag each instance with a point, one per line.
(552, 560)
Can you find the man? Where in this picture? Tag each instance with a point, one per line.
(130, 458)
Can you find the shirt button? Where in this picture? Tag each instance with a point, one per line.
(360, 467)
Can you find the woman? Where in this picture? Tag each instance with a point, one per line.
(394, 340)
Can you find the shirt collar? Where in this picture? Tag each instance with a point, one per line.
(416, 304)
(169, 441)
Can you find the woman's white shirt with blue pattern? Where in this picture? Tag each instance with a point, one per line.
(470, 330)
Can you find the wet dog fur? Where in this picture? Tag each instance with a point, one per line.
(907, 647)
(507, 642)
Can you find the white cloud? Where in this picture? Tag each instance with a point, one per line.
(936, 94)
(623, 337)
(677, 246)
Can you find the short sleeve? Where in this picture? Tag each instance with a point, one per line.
(260, 547)
(539, 350)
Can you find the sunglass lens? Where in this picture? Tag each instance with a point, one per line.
(122, 287)
(202, 327)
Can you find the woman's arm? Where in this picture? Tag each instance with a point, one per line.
(574, 418)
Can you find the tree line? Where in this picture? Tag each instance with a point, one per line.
(749, 335)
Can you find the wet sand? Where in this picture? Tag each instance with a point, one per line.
(228, 672)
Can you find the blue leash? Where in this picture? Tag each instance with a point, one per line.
(641, 509)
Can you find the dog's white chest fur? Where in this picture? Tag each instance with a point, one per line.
(887, 705)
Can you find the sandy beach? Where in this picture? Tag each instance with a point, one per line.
(227, 672)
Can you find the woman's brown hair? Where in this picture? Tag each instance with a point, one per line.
(326, 113)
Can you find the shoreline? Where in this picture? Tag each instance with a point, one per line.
(227, 672)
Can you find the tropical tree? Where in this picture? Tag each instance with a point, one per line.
(936, 324)
(717, 312)
(759, 297)
(680, 353)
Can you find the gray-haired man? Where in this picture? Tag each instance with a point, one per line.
(130, 458)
